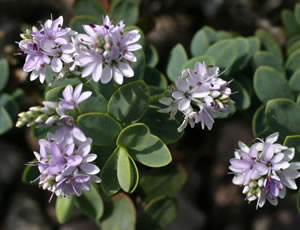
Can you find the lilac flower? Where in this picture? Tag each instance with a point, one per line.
(200, 95)
(105, 53)
(265, 170)
(66, 167)
(51, 45)
(72, 98)
(172, 106)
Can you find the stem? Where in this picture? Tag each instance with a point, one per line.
(157, 97)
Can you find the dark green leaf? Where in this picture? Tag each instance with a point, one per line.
(294, 82)
(176, 60)
(292, 63)
(77, 23)
(8, 102)
(151, 54)
(30, 174)
(293, 142)
(289, 21)
(259, 125)
(269, 59)
(133, 135)
(125, 11)
(199, 44)
(297, 13)
(5, 121)
(241, 97)
(4, 70)
(89, 7)
(155, 78)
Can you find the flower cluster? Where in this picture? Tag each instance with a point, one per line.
(199, 94)
(51, 45)
(53, 112)
(105, 52)
(65, 164)
(265, 170)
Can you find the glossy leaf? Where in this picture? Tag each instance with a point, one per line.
(133, 135)
(282, 115)
(268, 59)
(191, 62)
(5, 121)
(124, 11)
(4, 70)
(30, 174)
(102, 128)
(122, 214)
(259, 125)
(154, 77)
(158, 214)
(294, 81)
(42, 132)
(293, 48)
(228, 113)
(176, 60)
(269, 43)
(210, 34)
(292, 63)
(91, 203)
(153, 153)
(243, 55)
(151, 54)
(77, 22)
(199, 43)
(155, 181)
(64, 208)
(130, 102)
(241, 97)
(89, 7)
(109, 177)
(161, 126)
(289, 21)
(293, 142)
(8, 102)
(223, 35)
(297, 13)
(270, 84)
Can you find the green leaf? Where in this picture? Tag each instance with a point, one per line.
(30, 174)
(269, 43)
(270, 84)
(210, 34)
(5, 121)
(140, 64)
(77, 22)
(110, 184)
(228, 113)
(176, 59)
(254, 46)
(269, 59)
(294, 81)
(297, 13)
(153, 153)
(64, 208)
(223, 35)
(293, 142)
(124, 11)
(282, 115)
(243, 55)
(151, 54)
(42, 132)
(293, 48)
(4, 70)
(102, 128)
(122, 214)
(161, 126)
(129, 102)
(95, 103)
(199, 44)
(89, 7)
(259, 125)
(292, 63)
(158, 214)
(241, 98)
(127, 171)
(292, 40)
(8, 102)
(154, 77)
(225, 53)
(155, 181)
(191, 62)
(91, 203)
(289, 21)
(133, 135)
(298, 99)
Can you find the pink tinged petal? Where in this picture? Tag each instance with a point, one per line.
(89, 168)
(68, 93)
(289, 154)
(134, 47)
(182, 85)
(89, 30)
(166, 100)
(184, 104)
(89, 69)
(98, 72)
(61, 40)
(261, 168)
(272, 200)
(178, 95)
(55, 150)
(77, 91)
(281, 166)
(130, 57)
(272, 138)
(68, 170)
(54, 169)
(82, 178)
(253, 152)
(85, 59)
(84, 149)
(238, 180)
(69, 149)
(118, 77)
(74, 160)
(76, 190)
(84, 96)
(91, 157)
(85, 39)
(68, 48)
(277, 157)
(56, 64)
(37, 155)
(131, 37)
(125, 69)
(57, 24)
(106, 74)
(290, 183)
(31, 63)
(78, 134)
(243, 147)
(199, 94)
(66, 58)
(240, 164)
(268, 152)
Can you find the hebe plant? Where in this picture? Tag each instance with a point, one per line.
(120, 120)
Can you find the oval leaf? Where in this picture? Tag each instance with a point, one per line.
(4, 70)
(199, 44)
(133, 135)
(64, 208)
(176, 59)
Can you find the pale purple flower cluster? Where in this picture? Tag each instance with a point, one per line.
(265, 170)
(105, 52)
(51, 45)
(199, 94)
(66, 164)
